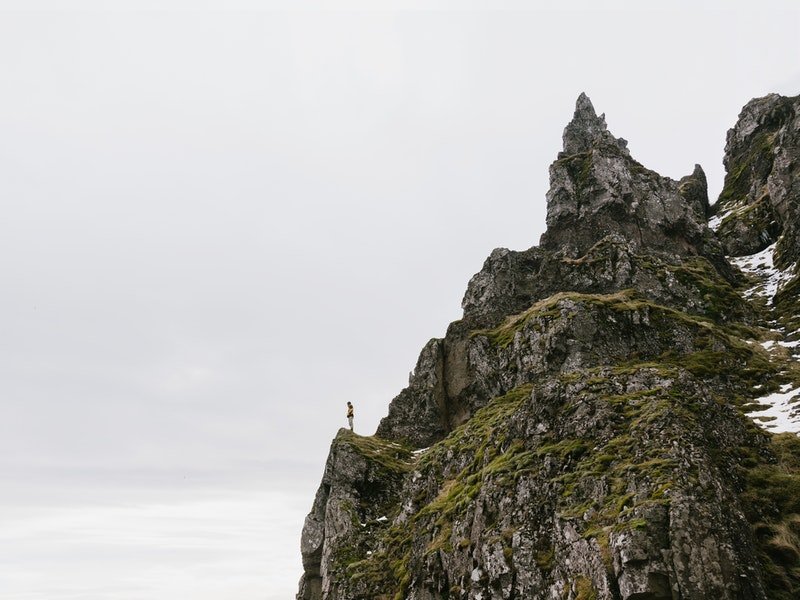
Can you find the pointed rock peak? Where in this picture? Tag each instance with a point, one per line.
(694, 188)
(587, 129)
(584, 108)
(698, 173)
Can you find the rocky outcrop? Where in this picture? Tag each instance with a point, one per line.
(760, 200)
(361, 483)
(759, 207)
(420, 414)
(612, 224)
(581, 432)
(661, 246)
(511, 281)
(597, 189)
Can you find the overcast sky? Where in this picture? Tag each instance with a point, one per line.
(218, 226)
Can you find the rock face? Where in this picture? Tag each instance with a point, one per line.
(761, 197)
(581, 433)
(361, 481)
(759, 207)
(597, 189)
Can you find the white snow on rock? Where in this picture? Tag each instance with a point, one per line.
(714, 222)
(781, 410)
(761, 265)
(783, 413)
(770, 344)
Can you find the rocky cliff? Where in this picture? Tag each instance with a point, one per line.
(613, 417)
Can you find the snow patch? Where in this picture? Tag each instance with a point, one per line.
(763, 268)
(783, 413)
(714, 222)
(769, 344)
(780, 411)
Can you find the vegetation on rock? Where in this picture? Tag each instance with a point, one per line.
(582, 432)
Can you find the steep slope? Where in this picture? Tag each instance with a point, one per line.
(581, 432)
(759, 202)
(759, 207)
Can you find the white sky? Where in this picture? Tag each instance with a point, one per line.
(220, 225)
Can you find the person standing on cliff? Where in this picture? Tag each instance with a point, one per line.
(350, 414)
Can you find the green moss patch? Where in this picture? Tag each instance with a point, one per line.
(392, 456)
(739, 178)
(717, 350)
(584, 589)
(556, 306)
(579, 169)
(787, 304)
(482, 438)
(772, 504)
(722, 303)
(494, 456)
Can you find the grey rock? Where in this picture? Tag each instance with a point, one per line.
(419, 414)
(694, 189)
(760, 200)
(587, 131)
(361, 482)
(597, 189)
(579, 432)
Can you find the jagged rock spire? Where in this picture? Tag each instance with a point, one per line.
(587, 130)
(597, 189)
(694, 188)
